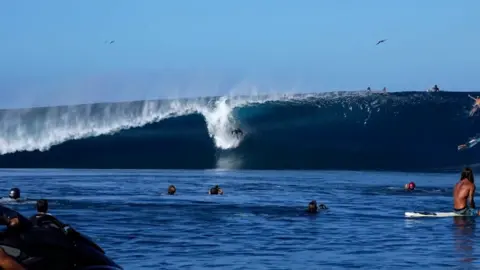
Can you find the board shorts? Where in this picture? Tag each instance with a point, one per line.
(470, 212)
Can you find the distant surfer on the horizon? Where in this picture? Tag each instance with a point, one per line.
(381, 41)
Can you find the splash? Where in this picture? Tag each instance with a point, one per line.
(42, 128)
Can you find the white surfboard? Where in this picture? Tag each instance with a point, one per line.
(431, 214)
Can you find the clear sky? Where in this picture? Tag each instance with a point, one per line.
(55, 51)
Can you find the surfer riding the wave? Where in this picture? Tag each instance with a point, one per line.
(237, 132)
(463, 194)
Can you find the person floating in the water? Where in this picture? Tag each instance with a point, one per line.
(313, 207)
(216, 190)
(14, 195)
(381, 41)
(410, 186)
(237, 132)
(171, 190)
(475, 106)
(471, 143)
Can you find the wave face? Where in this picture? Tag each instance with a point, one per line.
(407, 131)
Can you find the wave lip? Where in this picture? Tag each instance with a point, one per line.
(340, 130)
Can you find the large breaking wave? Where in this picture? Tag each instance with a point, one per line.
(410, 131)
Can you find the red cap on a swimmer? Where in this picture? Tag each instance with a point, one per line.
(411, 186)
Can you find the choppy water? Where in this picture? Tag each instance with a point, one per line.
(259, 223)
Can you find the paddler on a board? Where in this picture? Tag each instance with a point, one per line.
(463, 194)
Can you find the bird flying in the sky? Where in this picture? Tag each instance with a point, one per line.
(381, 41)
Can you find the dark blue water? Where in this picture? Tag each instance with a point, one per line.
(259, 222)
(407, 131)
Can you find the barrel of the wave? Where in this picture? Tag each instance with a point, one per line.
(410, 186)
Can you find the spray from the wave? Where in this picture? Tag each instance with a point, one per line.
(42, 128)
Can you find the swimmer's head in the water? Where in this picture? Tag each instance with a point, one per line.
(171, 190)
(14, 193)
(312, 207)
(216, 190)
(410, 186)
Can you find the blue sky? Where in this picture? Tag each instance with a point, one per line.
(55, 51)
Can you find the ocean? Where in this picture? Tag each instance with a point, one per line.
(259, 223)
(105, 169)
(404, 131)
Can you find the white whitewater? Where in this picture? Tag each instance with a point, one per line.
(41, 128)
(31, 129)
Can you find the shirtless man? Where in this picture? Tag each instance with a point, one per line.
(475, 106)
(465, 190)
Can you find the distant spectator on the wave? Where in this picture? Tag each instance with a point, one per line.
(171, 190)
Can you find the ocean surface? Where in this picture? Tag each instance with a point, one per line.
(260, 222)
(404, 131)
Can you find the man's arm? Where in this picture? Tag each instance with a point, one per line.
(8, 263)
(471, 193)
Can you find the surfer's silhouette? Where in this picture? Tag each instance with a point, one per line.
(237, 132)
(381, 41)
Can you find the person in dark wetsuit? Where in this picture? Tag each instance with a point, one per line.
(313, 207)
(14, 195)
(42, 215)
(216, 190)
(171, 190)
(237, 132)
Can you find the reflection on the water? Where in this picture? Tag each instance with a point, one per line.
(464, 235)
